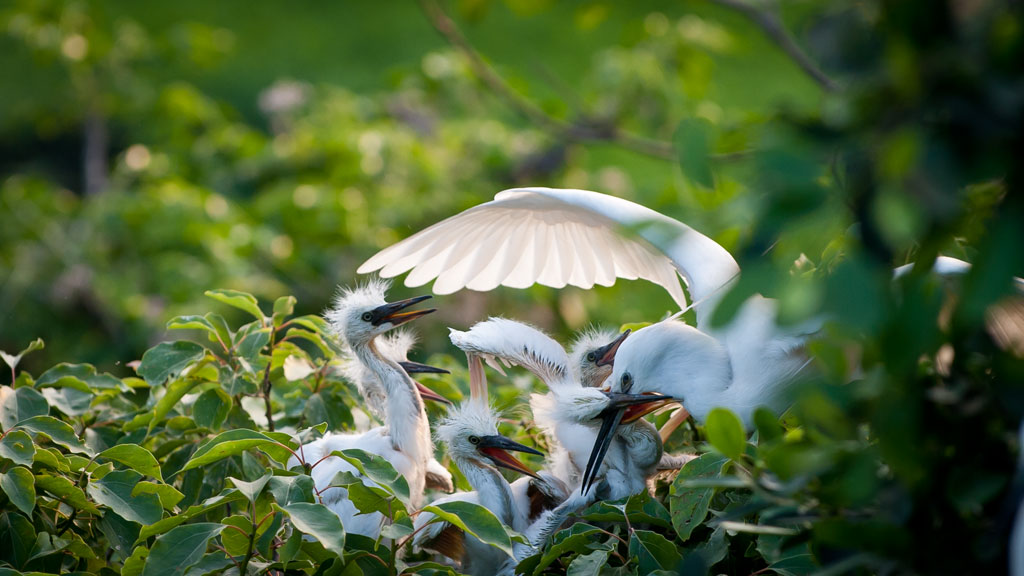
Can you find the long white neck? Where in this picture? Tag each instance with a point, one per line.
(495, 493)
(407, 421)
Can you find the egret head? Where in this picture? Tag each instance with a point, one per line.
(360, 314)
(471, 433)
(675, 359)
(593, 354)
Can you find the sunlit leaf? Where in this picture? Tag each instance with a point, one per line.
(168, 359)
(174, 552)
(318, 521)
(725, 432)
(474, 519)
(135, 457)
(240, 300)
(225, 444)
(115, 492)
(17, 404)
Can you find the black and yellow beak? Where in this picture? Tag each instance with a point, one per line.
(495, 449)
(606, 354)
(392, 311)
(417, 368)
(619, 407)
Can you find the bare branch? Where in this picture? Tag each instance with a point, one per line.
(772, 25)
(580, 131)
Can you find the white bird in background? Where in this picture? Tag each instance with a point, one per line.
(471, 434)
(359, 316)
(395, 346)
(567, 413)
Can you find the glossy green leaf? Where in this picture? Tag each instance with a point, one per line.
(225, 444)
(211, 408)
(115, 492)
(135, 563)
(174, 552)
(588, 564)
(135, 457)
(366, 499)
(168, 359)
(564, 542)
(378, 469)
(476, 520)
(240, 300)
(212, 503)
(213, 563)
(20, 487)
(283, 308)
(13, 360)
(19, 538)
(251, 490)
(725, 432)
(653, 551)
(64, 490)
(56, 430)
(173, 395)
(169, 495)
(17, 446)
(65, 374)
(318, 521)
(69, 399)
(17, 404)
(688, 506)
(289, 489)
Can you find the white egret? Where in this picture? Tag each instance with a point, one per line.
(567, 413)
(476, 447)
(359, 316)
(396, 346)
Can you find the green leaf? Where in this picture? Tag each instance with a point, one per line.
(168, 359)
(69, 399)
(62, 489)
(567, 541)
(174, 552)
(225, 444)
(283, 308)
(175, 391)
(56, 430)
(135, 457)
(251, 490)
(289, 489)
(240, 300)
(213, 563)
(211, 408)
(20, 487)
(115, 492)
(65, 374)
(291, 547)
(476, 520)
(207, 505)
(725, 432)
(693, 145)
(19, 537)
(135, 563)
(689, 507)
(17, 404)
(767, 425)
(586, 565)
(639, 507)
(17, 446)
(366, 499)
(318, 521)
(13, 360)
(251, 343)
(376, 468)
(169, 495)
(235, 542)
(653, 551)
(216, 328)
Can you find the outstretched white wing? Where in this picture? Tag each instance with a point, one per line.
(557, 238)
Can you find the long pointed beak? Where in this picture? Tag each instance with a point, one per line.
(620, 407)
(417, 368)
(429, 394)
(606, 354)
(392, 311)
(494, 447)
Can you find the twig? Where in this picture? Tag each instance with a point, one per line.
(772, 25)
(580, 131)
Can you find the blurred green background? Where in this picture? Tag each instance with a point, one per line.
(272, 148)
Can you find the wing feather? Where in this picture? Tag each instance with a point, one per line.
(557, 238)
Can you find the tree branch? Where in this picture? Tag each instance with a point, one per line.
(580, 131)
(772, 25)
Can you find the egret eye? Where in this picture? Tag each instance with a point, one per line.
(591, 357)
(367, 316)
(474, 440)
(627, 382)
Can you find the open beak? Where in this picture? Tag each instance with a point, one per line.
(494, 447)
(429, 394)
(606, 354)
(417, 368)
(392, 311)
(619, 406)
